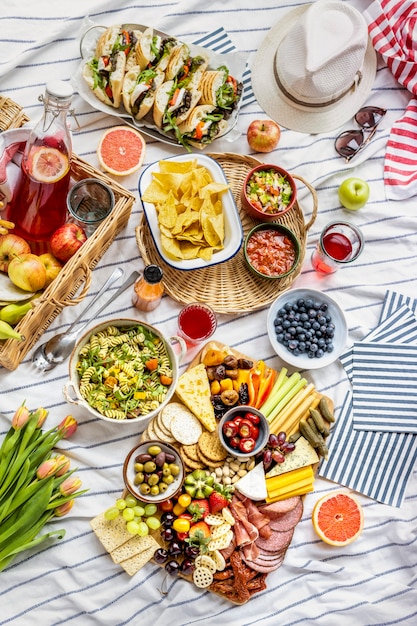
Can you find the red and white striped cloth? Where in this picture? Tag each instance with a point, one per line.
(392, 26)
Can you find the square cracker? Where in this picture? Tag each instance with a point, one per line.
(135, 563)
(136, 545)
(111, 533)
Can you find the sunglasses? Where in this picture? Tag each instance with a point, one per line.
(350, 142)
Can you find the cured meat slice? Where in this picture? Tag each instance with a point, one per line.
(288, 520)
(251, 551)
(277, 541)
(265, 568)
(226, 552)
(275, 509)
(271, 556)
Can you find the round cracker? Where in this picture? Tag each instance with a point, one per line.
(185, 427)
(168, 412)
(202, 577)
(211, 447)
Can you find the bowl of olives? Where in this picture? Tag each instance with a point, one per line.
(153, 472)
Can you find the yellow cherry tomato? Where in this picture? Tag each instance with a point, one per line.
(181, 525)
(184, 499)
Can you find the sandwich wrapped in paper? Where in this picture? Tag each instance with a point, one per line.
(154, 50)
(202, 126)
(219, 88)
(139, 90)
(173, 104)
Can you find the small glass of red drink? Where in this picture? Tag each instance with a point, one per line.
(340, 243)
(196, 323)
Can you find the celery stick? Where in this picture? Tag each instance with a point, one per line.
(282, 378)
(288, 396)
(277, 397)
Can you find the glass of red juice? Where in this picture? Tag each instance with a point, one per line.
(196, 323)
(340, 243)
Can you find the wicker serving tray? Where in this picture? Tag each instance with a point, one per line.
(230, 287)
(76, 274)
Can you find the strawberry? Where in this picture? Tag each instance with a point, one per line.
(220, 498)
(199, 535)
(199, 509)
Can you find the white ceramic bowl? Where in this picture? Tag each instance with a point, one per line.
(129, 473)
(233, 231)
(71, 389)
(303, 361)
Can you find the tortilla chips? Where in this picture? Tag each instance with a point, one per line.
(189, 208)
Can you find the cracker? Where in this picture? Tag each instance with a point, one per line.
(161, 434)
(221, 542)
(185, 427)
(190, 462)
(214, 519)
(209, 462)
(191, 451)
(219, 559)
(211, 447)
(220, 530)
(135, 563)
(204, 560)
(202, 577)
(110, 533)
(168, 413)
(161, 425)
(133, 547)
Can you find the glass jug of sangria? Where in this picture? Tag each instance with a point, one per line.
(39, 205)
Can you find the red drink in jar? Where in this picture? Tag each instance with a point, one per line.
(340, 243)
(196, 322)
(338, 246)
(39, 205)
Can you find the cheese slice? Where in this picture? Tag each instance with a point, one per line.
(193, 389)
(252, 485)
(303, 455)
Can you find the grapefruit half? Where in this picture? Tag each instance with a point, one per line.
(121, 150)
(338, 518)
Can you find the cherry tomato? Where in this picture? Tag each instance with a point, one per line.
(252, 417)
(184, 500)
(166, 506)
(181, 525)
(247, 444)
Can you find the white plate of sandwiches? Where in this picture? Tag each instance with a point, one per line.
(177, 92)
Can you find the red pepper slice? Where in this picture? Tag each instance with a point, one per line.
(245, 428)
(252, 417)
(247, 444)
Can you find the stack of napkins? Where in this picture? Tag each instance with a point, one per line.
(373, 446)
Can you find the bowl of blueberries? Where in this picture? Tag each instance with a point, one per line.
(307, 328)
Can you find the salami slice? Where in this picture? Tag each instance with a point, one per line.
(288, 520)
(276, 542)
(276, 509)
(263, 567)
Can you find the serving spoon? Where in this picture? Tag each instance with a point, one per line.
(58, 348)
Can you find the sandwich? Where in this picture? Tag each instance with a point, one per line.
(105, 72)
(202, 126)
(173, 104)
(220, 89)
(139, 90)
(154, 50)
(186, 69)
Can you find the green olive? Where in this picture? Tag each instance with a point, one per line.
(138, 467)
(175, 470)
(169, 479)
(166, 471)
(149, 467)
(153, 480)
(144, 489)
(139, 478)
(162, 487)
(154, 491)
(154, 450)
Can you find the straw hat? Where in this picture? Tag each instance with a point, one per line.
(315, 68)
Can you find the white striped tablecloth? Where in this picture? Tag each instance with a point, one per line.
(74, 582)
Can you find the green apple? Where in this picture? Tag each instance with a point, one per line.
(354, 193)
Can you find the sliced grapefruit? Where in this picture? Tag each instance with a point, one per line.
(121, 150)
(338, 518)
(48, 164)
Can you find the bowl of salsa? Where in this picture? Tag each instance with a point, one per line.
(271, 251)
(268, 192)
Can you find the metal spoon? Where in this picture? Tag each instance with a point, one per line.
(59, 347)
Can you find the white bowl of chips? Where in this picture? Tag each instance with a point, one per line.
(191, 212)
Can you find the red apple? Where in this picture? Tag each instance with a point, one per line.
(263, 135)
(52, 265)
(10, 246)
(27, 272)
(66, 240)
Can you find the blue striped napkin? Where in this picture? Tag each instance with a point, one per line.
(376, 464)
(220, 42)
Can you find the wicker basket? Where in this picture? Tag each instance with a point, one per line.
(75, 277)
(230, 287)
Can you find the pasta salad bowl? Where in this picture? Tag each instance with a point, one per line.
(124, 371)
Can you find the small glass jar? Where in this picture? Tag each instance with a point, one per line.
(148, 290)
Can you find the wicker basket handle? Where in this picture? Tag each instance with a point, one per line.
(77, 299)
(315, 200)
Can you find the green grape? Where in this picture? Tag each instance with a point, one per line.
(139, 511)
(131, 501)
(143, 529)
(128, 514)
(153, 522)
(138, 518)
(111, 513)
(132, 527)
(120, 504)
(150, 509)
